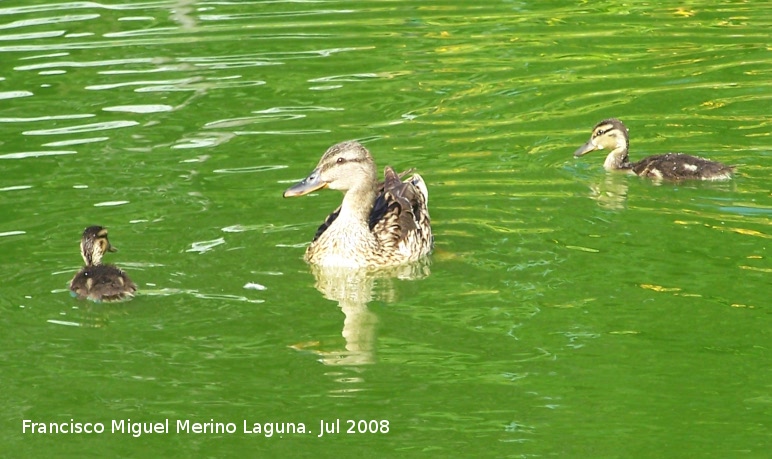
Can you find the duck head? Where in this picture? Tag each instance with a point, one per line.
(344, 166)
(94, 244)
(612, 135)
(609, 134)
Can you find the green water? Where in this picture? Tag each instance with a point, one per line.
(565, 312)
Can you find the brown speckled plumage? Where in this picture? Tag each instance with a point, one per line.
(613, 135)
(96, 281)
(378, 224)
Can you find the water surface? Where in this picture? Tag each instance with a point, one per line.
(565, 312)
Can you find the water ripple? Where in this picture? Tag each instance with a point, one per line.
(200, 141)
(83, 128)
(300, 109)
(64, 143)
(102, 63)
(268, 115)
(49, 20)
(142, 32)
(32, 36)
(36, 154)
(246, 170)
(205, 246)
(254, 286)
(249, 17)
(287, 132)
(355, 77)
(110, 203)
(45, 118)
(197, 294)
(64, 322)
(264, 228)
(15, 94)
(150, 108)
(183, 84)
(163, 83)
(16, 188)
(223, 296)
(234, 122)
(48, 8)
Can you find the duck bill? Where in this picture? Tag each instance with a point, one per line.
(308, 185)
(111, 248)
(586, 148)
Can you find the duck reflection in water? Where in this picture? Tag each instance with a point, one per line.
(610, 192)
(353, 289)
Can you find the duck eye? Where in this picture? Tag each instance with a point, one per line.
(341, 160)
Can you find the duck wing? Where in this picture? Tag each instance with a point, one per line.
(379, 208)
(400, 213)
(680, 166)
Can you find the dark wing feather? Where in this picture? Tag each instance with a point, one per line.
(397, 212)
(679, 166)
(326, 224)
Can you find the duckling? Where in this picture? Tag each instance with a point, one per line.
(95, 281)
(612, 134)
(378, 223)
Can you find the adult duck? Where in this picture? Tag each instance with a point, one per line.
(378, 224)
